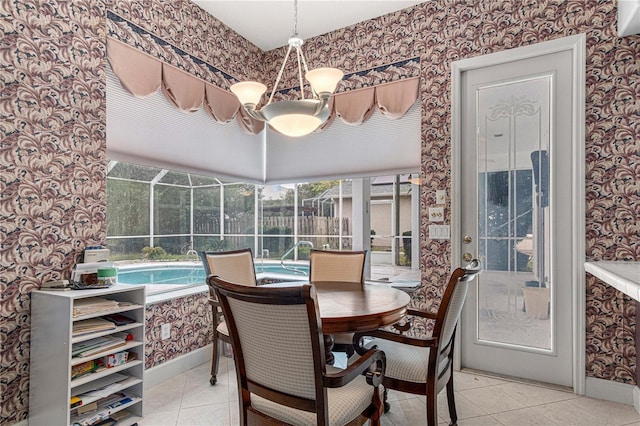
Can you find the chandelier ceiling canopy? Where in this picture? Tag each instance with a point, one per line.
(292, 118)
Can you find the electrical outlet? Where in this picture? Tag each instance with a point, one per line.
(165, 331)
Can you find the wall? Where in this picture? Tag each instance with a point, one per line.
(190, 319)
(53, 163)
(53, 151)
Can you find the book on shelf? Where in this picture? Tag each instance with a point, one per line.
(97, 345)
(75, 401)
(56, 285)
(106, 408)
(85, 368)
(86, 408)
(120, 415)
(93, 305)
(119, 319)
(92, 325)
(108, 386)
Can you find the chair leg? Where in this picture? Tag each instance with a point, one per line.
(432, 406)
(387, 406)
(215, 360)
(377, 403)
(350, 351)
(451, 402)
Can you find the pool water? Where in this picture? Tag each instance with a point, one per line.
(186, 274)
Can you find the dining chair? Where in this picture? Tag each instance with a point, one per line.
(424, 366)
(334, 265)
(235, 266)
(282, 376)
(342, 266)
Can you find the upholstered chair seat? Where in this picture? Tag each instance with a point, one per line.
(345, 404)
(404, 362)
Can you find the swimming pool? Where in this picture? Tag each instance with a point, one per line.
(193, 273)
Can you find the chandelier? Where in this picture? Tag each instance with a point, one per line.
(292, 118)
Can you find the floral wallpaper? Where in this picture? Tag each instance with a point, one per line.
(52, 179)
(190, 319)
(53, 139)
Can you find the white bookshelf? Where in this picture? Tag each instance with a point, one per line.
(51, 386)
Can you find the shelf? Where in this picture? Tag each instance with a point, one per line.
(129, 345)
(83, 337)
(103, 412)
(51, 359)
(108, 312)
(110, 381)
(103, 373)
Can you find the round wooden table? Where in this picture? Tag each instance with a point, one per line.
(351, 307)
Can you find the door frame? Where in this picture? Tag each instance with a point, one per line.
(577, 45)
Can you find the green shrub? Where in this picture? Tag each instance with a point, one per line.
(153, 252)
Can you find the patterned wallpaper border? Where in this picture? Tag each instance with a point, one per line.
(133, 35)
(119, 21)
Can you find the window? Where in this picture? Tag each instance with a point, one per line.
(158, 214)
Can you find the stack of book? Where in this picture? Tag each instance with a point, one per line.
(104, 411)
(93, 305)
(99, 344)
(92, 325)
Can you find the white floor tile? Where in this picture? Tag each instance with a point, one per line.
(188, 399)
(207, 415)
(491, 399)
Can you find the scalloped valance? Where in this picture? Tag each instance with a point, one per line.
(142, 75)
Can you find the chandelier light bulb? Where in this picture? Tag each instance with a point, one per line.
(324, 80)
(249, 92)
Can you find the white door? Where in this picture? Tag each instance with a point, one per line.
(517, 190)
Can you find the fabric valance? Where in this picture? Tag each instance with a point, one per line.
(142, 75)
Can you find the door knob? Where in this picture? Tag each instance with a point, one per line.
(467, 257)
(467, 239)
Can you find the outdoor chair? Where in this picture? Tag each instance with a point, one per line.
(342, 266)
(278, 348)
(235, 266)
(424, 366)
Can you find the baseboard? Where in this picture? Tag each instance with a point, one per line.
(613, 391)
(179, 365)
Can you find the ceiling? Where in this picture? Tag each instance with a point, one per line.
(269, 23)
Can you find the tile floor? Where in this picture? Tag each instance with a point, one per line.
(188, 399)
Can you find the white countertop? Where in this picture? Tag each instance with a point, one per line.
(620, 274)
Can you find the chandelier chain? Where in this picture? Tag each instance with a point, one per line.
(295, 17)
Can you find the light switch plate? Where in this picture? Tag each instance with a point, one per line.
(436, 214)
(441, 196)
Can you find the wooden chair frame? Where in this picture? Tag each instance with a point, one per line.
(371, 364)
(216, 307)
(436, 379)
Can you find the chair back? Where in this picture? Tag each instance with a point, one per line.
(235, 266)
(276, 335)
(451, 308)
(343, 266)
